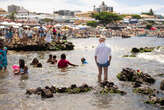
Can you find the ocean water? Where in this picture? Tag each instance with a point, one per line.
(13, 88)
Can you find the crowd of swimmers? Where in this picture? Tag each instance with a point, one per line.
(22, 68)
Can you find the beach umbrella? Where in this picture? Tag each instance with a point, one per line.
(2, 27)
(49, 26)
(153, 28)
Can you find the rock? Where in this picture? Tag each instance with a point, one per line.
(61, 90)
(162, 85)
(31, 91)
(128, 74)
(110, 87)
(73, 86)
(144, 90)
(135, 50)
(53, 89)
(46, 93)
(37, 46)
(137, 84)
(155, 100)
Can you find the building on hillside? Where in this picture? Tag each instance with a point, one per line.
(22, 13)
(65, 13)
(13, 8)
(103, 7)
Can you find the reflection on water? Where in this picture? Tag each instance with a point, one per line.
(12, 88)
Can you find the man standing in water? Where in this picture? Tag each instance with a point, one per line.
(103, 58)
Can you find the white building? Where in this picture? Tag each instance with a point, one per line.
(103, 7)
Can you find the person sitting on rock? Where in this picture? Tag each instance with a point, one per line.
(54, 61)
(83, 61)
(21, 69)
(63, 63)
(50, 59)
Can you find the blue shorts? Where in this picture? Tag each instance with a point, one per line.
(104, 65)
(41, 34)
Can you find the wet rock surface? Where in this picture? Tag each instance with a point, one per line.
(162, 85)
(48, 92)
(145, 90)
(142, 50)
(128, 74)
(54, 46)
(110, 88)
(155, 101)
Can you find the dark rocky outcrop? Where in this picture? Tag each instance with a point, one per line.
(142, 50)
(145, 90)
(155, 100)
(48, 92)
(110, 87)
(54, 46)
(128, 74)
(162, 85)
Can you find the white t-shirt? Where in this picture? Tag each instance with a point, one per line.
(102, 52)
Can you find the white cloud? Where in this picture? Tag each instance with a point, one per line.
(84, 5)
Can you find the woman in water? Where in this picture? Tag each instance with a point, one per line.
(63, 63)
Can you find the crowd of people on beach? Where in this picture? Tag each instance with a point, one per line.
(29, 34)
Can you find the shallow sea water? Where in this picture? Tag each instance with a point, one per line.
(13, 88)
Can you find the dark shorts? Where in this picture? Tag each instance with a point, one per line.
(104, 65)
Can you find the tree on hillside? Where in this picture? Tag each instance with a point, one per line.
(92, 23)
(135, 16)
(106, 17)
(12, 16)
(151, 12)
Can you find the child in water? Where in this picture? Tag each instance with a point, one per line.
(50, 60)
(21, 69)
(36, 63)
(63, 63)
(54, 61)
(83, 61)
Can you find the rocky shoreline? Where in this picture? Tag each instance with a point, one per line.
(54, 46)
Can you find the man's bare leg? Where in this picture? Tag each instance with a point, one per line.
(105, 73)
(100, 73)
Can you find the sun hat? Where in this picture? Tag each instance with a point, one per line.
(102, 37)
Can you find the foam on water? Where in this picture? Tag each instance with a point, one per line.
(157, 55)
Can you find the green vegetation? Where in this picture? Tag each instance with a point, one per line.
(112, 91)
(135, 16)
(151, 12)
(106, 17)
(12, 16)
(92, 23)
(145, 91)
(149, 26)
(47, 20)
(132, 55)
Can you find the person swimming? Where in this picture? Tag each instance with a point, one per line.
(50, 59)
(36, 63)
(21, 69)
(83, 61)
(54, 61)
(63, 63)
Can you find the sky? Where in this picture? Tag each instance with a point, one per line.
(120, 6)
